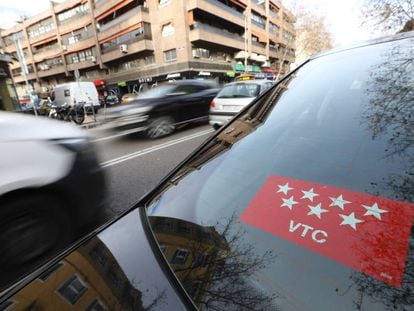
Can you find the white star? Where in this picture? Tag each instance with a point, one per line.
(285, 188)
(350, 220)
(309, 194)
(374, 210)
(316, 210)
(339, 201)
(289, 202)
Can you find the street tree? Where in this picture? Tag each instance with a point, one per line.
(389, 15)
(312, 32)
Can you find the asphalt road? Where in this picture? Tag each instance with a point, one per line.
(135, 164)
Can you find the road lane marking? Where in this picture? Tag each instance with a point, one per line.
(153, 148)
(127, 132)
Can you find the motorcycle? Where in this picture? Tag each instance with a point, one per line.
(74, 113)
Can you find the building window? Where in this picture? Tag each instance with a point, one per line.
(273, 27)
(41, 28)
(81, 9)
(45, 275)
(149, 60)
(80, 56)
(96, 305)
(180, 256)
(72, 290)
(162, 3)
(202, 53)
(170, 56)
(75, 38)
(258, 19)
(167, 30)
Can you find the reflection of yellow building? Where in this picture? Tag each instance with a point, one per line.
(195, 253)
(89, 279)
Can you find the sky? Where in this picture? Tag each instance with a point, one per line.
(342, 16)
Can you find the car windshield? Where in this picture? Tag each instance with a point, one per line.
(304, 202)
(158, 91)
(239, 90)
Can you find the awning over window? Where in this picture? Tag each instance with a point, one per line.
(239, 3)
(113, 9)
(130, 28)
(46, 40)
(241, 54)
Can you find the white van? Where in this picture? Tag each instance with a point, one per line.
(76, 93)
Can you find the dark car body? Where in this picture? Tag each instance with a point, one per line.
(164, 107)
(304, 201)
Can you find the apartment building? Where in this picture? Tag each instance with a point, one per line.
(123, 44)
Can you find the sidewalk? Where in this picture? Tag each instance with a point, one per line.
(91, 122)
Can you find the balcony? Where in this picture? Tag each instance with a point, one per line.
(204, 32)
(66, 5)
(218, 9)
(20, 78)
(74, 23)
(51, 72)
(273, 16)
(81, 65)
(259, 8)
(81, 45)
(43, 36)
(47, 52)
(104, 5)
(139, 14)
(274, 52)
(135, 47)
(258, 48)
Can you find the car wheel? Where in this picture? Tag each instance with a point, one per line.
(33, 228)
(160, 127)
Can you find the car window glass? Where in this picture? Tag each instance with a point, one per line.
(187, 89)
(338, 146)
(239, 90)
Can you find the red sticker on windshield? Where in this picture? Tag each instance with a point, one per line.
(367, 233)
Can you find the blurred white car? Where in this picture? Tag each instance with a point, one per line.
(51, 187)
(233, 97)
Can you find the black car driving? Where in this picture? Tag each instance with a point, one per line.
(303, 201)
(158, 111)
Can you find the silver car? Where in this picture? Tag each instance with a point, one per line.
(233, 97)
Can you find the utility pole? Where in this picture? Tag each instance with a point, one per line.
(245, 41)
(25, 71)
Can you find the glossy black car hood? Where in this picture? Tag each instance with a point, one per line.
(116, 269)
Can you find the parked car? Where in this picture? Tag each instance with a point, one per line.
(51, 190)
(128, 97)
(158, 111)
(76, 93)
(304, 201)
(111, 99)
(233, 97)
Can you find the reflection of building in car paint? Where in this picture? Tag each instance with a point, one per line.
(195, 253)
(88, 279)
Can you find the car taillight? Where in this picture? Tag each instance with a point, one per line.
(212, 104)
